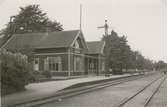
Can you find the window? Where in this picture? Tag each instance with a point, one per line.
(78, 64)
(91, 65)
(54, 63)
(57, 67)
(103, 66)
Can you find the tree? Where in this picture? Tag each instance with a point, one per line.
(31, 19)
(119, 55)
(117, 52)
(149, 64)
(15, 70)
(160, 65)
(139, 60)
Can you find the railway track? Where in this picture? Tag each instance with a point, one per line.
(142, 97)
(76, 91)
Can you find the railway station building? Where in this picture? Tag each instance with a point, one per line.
(63, 53)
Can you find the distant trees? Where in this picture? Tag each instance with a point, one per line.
(160, 65)
(119, 55)
(30, 19)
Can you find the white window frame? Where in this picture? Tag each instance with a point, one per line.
(54, 64)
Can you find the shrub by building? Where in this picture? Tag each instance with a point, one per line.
(15, 72)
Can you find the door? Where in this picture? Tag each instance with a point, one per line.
(36, 64)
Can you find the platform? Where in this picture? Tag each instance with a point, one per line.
(37, 91)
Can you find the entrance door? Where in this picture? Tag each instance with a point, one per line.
(91, 67)
(36, 64)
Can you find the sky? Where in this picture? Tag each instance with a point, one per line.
(144, 22)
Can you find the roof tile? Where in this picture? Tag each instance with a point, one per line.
(95, 47)
(42, 40)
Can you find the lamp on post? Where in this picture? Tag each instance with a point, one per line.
(12, 26)
(12, 18)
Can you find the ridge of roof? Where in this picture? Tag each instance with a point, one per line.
(94, 41)
(31, 33)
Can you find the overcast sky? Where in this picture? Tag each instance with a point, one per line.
(144, 22)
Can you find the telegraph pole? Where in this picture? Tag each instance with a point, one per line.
(105, 27)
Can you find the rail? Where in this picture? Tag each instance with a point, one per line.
(126, 100)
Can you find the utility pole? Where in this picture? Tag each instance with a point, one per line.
(105, 28)
(80, 17)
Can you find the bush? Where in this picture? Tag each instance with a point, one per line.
(47, 74)
(117, 71)
(15, 71)
(40, 76)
